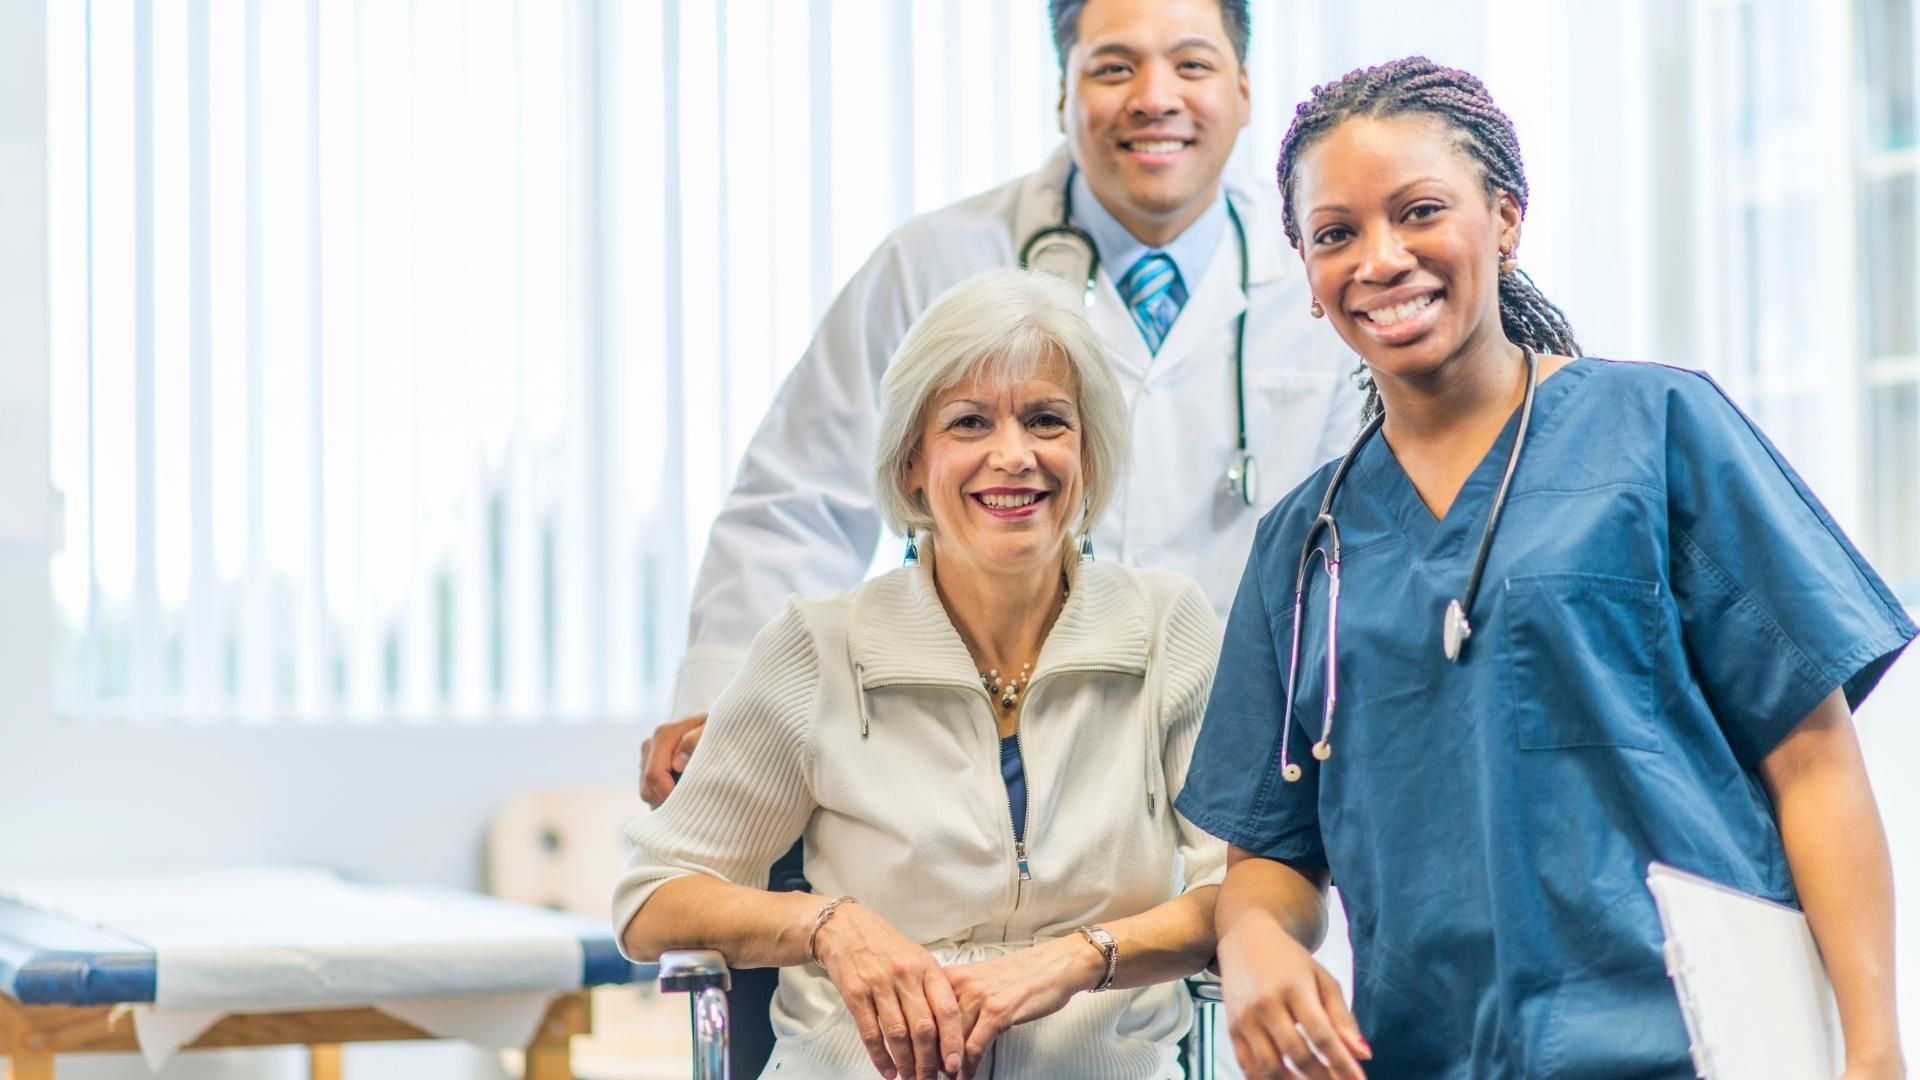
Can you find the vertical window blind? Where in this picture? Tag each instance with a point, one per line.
(403, 351)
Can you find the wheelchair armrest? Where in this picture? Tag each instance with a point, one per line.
(1203, 989)
(693, 970)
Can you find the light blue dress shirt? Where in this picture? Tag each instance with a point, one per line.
(1192, 251)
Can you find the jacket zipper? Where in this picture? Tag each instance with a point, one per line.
(1023, 869)
(1022, 864)
(1019, 843)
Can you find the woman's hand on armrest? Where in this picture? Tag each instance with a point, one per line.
(901, 1001)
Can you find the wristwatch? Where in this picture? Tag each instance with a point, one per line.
(1109, 948)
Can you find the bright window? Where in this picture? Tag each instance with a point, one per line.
(1888, 183)
(404, 352)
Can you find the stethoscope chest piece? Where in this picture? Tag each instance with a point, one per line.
(1243, 479)
(1455, 631)
(1064, 250)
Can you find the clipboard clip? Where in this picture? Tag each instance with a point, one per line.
(1678, 971)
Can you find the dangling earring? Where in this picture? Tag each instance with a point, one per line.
(1314, 309)
(1086, 532)
(1508, 264)
(912, 557)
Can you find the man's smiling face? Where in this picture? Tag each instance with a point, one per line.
(1154, 98)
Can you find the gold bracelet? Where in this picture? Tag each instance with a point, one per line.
(820, 920)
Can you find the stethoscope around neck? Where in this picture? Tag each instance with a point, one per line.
(1455, 629)
(1065, 246)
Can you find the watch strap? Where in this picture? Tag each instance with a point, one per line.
(1109, 948)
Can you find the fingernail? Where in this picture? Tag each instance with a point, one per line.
(953, 1064)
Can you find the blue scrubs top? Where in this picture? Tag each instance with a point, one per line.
(1663, 602)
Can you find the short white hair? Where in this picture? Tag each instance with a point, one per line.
(1000, 326)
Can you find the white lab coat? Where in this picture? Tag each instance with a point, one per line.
(801, 517)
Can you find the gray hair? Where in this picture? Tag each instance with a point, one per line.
(1000, 326)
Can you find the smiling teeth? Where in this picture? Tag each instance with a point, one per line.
(1159, 146)
(1389, 316)
(1010, 502)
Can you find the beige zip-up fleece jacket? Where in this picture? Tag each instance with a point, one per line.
(860, 722)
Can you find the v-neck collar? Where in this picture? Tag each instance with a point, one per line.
(1380, 472)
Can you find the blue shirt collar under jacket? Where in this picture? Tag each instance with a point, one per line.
(1191, 251)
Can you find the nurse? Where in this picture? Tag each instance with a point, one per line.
(1659, 662)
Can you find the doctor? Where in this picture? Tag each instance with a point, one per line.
(1153, 96)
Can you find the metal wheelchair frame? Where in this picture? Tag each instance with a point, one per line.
(703, 974)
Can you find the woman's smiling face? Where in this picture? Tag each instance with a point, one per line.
(998, 464)
(1401, 241)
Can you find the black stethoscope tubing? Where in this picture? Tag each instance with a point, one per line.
(1242, 478)
(1455, 628)
(1456, 609)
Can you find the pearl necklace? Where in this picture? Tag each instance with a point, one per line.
(1009, 689)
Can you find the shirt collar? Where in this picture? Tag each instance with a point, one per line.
(1191, 251)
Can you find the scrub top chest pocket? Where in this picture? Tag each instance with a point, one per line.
(1581, 656)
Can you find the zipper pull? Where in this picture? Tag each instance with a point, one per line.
(1020, 858)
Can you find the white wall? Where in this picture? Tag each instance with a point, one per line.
(1891, 741)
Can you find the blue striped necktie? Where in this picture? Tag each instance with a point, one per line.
(1154, 294)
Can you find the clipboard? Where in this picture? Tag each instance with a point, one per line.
(1750, 981)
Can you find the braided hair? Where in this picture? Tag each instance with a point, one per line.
(1418, 85)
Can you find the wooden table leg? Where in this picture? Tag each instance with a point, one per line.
(32, 1067)
(324, 1061)
(549, 1055)
(550, 1059)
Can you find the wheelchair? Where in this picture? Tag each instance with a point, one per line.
(702, 974)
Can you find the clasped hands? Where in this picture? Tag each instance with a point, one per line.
(920, 1020)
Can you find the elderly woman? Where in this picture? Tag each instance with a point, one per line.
(983, 746)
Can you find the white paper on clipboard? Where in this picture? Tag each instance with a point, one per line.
(1750, 981)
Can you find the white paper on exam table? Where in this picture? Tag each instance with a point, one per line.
(283, 938)
(1749, 979)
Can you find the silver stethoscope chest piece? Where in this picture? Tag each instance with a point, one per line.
(1454, 629)
(1066, 251)
(1243, 479)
